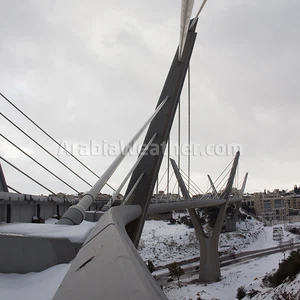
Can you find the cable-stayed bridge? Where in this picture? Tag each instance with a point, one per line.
(108, 263)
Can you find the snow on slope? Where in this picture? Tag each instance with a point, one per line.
(266, 238)
(292, 288)
(161, 238)
(162, 243)
(233, 276)
(247, 274)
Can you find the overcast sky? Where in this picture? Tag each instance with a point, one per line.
(93, 70)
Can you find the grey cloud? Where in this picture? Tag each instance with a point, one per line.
(95, 70)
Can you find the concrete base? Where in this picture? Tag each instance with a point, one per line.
(23, 254)
(230, 225)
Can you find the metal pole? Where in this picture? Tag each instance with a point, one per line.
(186, 12)
(189, 126)
(212, 186)
(48, 135)
(156, 198)
(27, 176)
(168, 175)
(75, 214)
(179, 150)
(244, 185)
(198, 13)
(132, 190)
(116, 194)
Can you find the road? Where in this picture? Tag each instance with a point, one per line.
(191, 266)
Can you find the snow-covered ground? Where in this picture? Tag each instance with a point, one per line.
(265, 239)
(290, 287)
(247, 274)
(161, 243)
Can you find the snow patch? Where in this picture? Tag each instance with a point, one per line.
(76, 233)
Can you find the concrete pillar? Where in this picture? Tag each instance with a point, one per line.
(8, 213)
(230, 222)
(38, 210)
(209, 270)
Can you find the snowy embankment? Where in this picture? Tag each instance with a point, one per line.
(163, 243)
(248, 274)
(289, 290)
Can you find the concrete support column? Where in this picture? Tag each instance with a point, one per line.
(209, 270)
(8, 213)
(231, 222)
(38, 210)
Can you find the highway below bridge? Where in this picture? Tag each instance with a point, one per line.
(191, 266)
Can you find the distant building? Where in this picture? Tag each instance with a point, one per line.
(270, 205)
(294, 202)
(102, 197)
(161, 197)
(248, 200)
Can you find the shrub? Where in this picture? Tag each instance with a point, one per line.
(172, 221)
(252, 293)
(293, 230)
(266, 280)
(243, 217)
(241, 293)
(186, 221)
(288, 268)
(150, 266)
(287, 296)
(176, 270)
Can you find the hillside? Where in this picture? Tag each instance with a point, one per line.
(163, 243)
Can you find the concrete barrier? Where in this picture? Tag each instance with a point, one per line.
(23, 254)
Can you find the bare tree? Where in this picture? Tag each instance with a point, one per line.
(176, 270)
